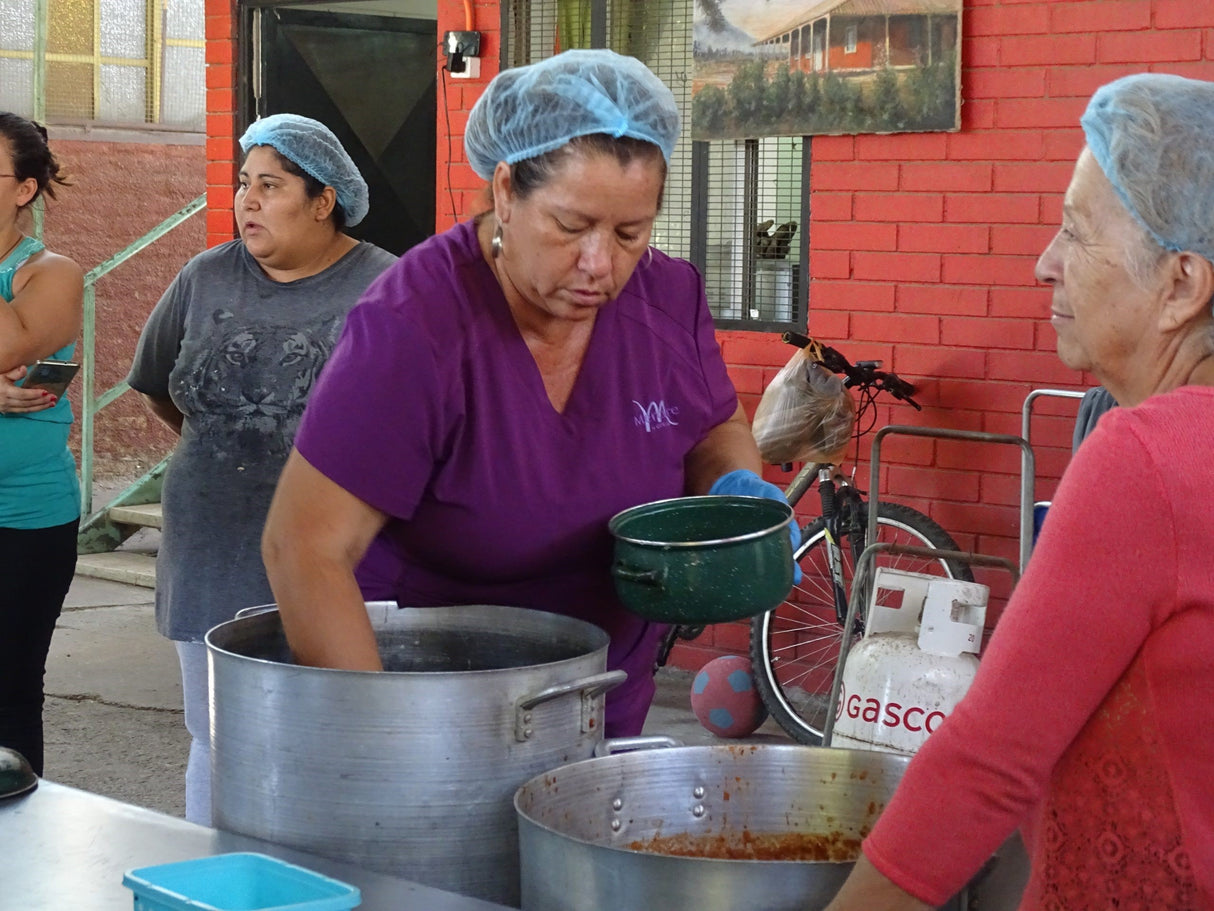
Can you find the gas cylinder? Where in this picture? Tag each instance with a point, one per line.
(915, 662)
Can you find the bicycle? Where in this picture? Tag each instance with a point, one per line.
(795, 648)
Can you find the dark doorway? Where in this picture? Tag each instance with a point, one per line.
(371, 80)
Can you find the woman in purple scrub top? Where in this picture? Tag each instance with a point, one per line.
(512, 383)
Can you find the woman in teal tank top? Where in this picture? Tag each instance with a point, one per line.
(41, 304)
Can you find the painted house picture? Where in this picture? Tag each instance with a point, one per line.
(799, 67)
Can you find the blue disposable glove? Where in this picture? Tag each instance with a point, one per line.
(745, 483)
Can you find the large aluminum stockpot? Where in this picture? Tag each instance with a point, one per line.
(410, 771)
(579, 825)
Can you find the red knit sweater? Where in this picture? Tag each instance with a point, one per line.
(1088, 724)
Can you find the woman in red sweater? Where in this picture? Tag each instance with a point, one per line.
(1087, 724)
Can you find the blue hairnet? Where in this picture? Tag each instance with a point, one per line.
(312, 146)
(1153, 136)
(529, 110)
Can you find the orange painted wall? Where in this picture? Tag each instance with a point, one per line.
(922, 245)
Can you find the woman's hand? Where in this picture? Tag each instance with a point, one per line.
(727, 461)
(745, 483)
(15, 400)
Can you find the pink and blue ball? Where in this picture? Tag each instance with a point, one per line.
(724, 697)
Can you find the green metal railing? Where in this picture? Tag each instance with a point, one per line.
(91, 403)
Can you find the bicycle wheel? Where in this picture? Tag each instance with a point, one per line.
(795, 647)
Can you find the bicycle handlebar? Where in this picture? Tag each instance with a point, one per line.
(863, 374)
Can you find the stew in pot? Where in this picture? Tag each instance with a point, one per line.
(748, 845)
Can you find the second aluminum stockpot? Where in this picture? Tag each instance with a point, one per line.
(581, 826)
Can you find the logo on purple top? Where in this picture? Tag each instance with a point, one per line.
(655, 416)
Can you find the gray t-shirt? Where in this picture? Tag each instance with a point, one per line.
(1095, 402)
(237, 353)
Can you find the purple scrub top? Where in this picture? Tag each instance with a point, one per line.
(432, 410)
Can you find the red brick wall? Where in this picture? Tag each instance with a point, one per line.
(222, 161)
(922, 255)
(922, 245)
(455, 99)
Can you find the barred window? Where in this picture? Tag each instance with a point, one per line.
(735, 208)
(121, 62)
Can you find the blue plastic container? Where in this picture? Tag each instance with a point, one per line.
(237, 882)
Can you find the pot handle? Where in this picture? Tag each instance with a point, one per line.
(623, 744)
(590, 688)
(255, 610)
(653, 577)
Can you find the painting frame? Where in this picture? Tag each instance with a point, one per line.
(812, 67)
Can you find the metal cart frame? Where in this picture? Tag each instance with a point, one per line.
(1028, 479)
(859, 588)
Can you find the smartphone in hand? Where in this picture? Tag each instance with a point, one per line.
(53, 376)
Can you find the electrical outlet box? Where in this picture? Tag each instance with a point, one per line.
(463, 44)
(463, 54)
(471, 70)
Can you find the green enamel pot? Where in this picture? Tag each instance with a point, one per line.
(697, 560)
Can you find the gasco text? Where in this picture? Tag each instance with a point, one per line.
(914, 718)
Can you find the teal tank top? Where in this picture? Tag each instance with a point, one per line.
(38, 483)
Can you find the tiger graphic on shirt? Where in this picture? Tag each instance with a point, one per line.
(256, 378)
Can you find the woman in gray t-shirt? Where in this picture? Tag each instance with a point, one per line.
(227, 359)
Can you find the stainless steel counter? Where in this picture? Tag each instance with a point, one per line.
(61, 848)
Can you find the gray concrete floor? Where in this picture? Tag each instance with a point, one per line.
(113, 718)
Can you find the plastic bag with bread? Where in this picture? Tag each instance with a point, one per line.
(806, 414)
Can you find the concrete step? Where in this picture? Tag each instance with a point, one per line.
(147, 515)
(119, 566)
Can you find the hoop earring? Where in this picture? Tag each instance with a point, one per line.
(495, 245)
(648, 255)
